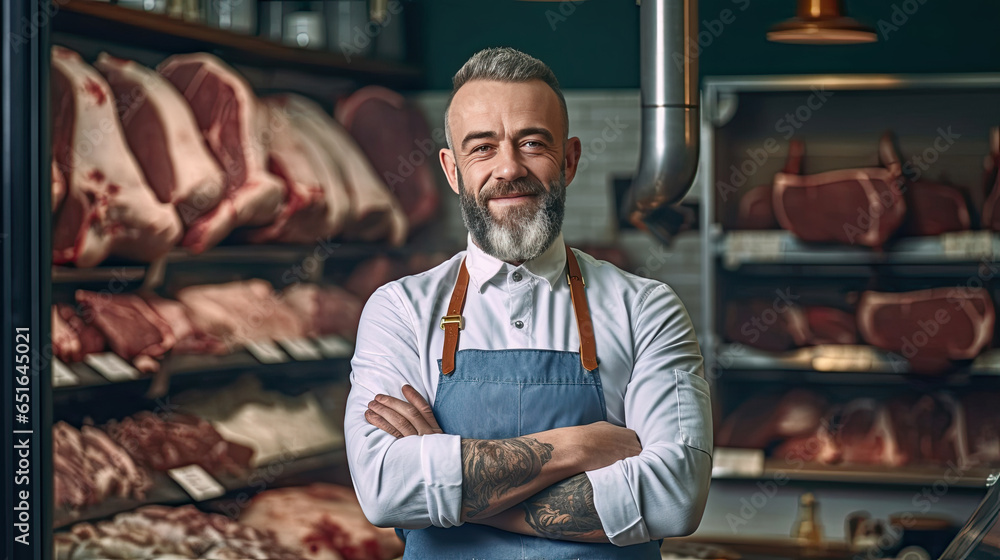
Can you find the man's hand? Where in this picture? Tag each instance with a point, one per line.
(412, 417)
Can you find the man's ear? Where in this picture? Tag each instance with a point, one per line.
(573, 150)
(448, 164)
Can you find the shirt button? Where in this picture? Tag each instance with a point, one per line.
(519, 324)
(517, 278)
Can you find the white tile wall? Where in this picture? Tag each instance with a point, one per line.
(607, 123)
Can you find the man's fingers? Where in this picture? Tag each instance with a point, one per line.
(391, 415)
(418, 401)
(406, 411)
(375, 420)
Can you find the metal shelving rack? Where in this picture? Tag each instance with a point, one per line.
(27, 277)
(844, 118)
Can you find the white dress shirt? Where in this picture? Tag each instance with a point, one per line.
(650, 368)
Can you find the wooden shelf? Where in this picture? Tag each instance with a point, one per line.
(117, 24)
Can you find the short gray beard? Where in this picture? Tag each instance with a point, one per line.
(522, 233)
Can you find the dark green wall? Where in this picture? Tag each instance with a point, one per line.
(594, 44)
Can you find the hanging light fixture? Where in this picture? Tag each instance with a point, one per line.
(821, 22)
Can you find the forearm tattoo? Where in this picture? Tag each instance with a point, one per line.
(491, 468)
(563, 510)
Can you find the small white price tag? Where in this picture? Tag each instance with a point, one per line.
(731, 461)
(267, 352)
(301, 349)
(333, 346)
(62, 376)
(196, 482)
(970, 245)
(753, 246)
(112, 367)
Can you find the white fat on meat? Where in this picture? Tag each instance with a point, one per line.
(317, 205)
(164, 137)
(234, 124)
(276, 426)
(109, 208)
(375, 213)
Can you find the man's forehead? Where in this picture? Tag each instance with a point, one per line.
(482, 100)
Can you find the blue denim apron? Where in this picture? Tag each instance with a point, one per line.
(498, 394)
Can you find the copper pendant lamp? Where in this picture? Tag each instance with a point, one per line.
(821, 22)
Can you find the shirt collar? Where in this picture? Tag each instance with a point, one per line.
(548, 266)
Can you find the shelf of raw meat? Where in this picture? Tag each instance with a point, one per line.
(105, 21)
(750, 465)
(197, 370)
(167, 492)
(836, 359)
(740, 248)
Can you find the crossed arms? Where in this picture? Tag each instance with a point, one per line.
(533, 485)
(416, 482)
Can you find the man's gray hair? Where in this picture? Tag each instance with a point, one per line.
(503, 64)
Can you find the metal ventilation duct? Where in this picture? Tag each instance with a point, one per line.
(670, 117)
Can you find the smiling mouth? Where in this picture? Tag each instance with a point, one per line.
(511, 197)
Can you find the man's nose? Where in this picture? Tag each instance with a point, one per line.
(509, 165)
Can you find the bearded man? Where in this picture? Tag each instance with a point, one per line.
(523, 399)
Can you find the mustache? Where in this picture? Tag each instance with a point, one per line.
(522, 186)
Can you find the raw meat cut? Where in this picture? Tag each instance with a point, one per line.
(65, 343)
(764, 419)
(372, 273)
(828, 325)
(862, 206)
(88, 467)
(316, 205)
(397, 140)
(756, 209)
(176, 441)
(757, 323)
(168, 533)
(235, 126)
(982, 424)
(276, 426)
(321, 522)
(190, 340)
(58, 187)
(930, 328)
(325, 309)
(933, 209)
(109, 209)
(240, 312)
(133, 330)
(164, 137)
(375, 212)
(865, 435)
(91, 340)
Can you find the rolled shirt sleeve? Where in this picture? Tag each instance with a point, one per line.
(662, 491)
(412, 482)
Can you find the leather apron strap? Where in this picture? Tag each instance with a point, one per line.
(453, 322)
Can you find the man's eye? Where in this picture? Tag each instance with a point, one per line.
(533, 144)
(480, 149)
